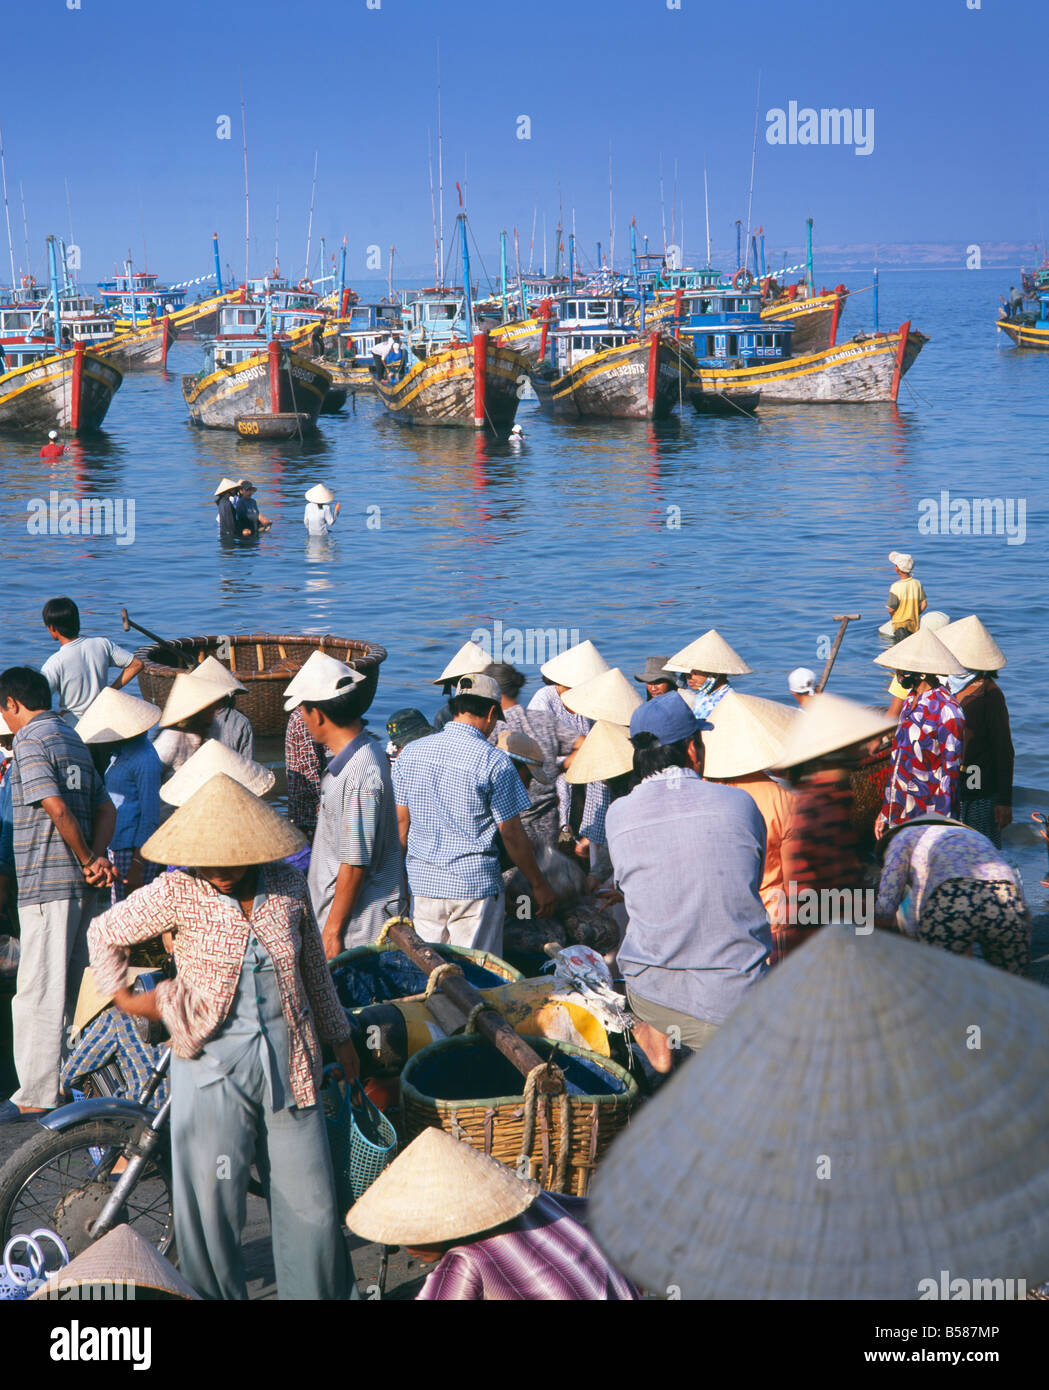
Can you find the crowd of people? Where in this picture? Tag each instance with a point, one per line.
(716, 828)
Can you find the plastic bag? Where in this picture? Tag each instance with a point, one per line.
(10, 951)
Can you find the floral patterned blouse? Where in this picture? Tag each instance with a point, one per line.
(926, 758)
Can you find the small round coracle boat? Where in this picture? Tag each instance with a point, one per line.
(285, 425)
(263, 662)
(869, 780)
(467, 1087)
(378, 974)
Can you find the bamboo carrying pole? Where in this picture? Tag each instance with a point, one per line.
(462, 994)
(843, 620)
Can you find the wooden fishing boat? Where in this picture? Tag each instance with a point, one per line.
(867, 368)
(138, 349)
(815, 319)
(526, 336)
(264, 662)
(202, 319)
(1028, 330)
(469, 385)
(273, 426)
(245, 376)
(136, 300)
(43, 389)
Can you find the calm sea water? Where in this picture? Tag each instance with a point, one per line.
(784, 521)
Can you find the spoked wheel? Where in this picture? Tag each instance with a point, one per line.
(62, 1181)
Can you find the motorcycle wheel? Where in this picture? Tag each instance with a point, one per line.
(62, 1181)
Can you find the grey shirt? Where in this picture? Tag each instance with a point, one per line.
(79, 671)
(688, 856)
(234, 730)
(357, 825)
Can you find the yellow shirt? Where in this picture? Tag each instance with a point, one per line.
(911, 596)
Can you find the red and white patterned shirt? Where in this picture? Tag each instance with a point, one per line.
(211, 937)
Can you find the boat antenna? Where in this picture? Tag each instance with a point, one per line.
(276, 234)
(662, 205)
(7, 212)
(611, 218)
(309, 227)
(440, 177)
(706, 205)
(531, 244)
(753, 159)
(544, 242)
(389, 290)
(247, 204)
(433, 212)
(673, 210)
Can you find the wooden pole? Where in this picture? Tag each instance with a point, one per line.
(843, 620)
(489, 1024)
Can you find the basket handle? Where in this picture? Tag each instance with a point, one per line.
(42, 1233)
(37, 1263)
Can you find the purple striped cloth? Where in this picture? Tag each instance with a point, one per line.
(543, 1254)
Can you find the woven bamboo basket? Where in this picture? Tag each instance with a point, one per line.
(264, 662)
(378, 974)
(868, 790)
(562, 1137)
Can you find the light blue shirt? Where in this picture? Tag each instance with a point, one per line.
(688, 856)
(79, 671)
(133, 783)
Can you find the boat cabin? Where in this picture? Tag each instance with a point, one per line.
(588, 324)
(724, 324)
(434, 318)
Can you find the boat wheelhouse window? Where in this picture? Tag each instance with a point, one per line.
(733, 345)
(597, 309)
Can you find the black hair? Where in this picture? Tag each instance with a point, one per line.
(910, 680)
(63, 615)
(344, 709)
(25, 685)
(986, 675)
(621, 785)
(651, 756)
(471, 704)
(508, 678)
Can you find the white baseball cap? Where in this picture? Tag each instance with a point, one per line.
(52, 434)
(320, 678)
(802, 681)
(484, 687)
(901, 560)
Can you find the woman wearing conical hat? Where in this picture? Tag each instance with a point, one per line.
(960, 892)
(485, 1233)
(116, 724)
(986, 782)
(247, 1012)
(709, 661)
(927, 749)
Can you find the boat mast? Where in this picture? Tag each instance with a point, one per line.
(636, 267)
(7, 212)
(247, 204)
(673, 210)
(461, 219)
(340, 311)
(706, 207)
(389, 283)
(531, 244)
(812, 281)
(662, 206)
(502, 270)
(276, 236)
(753, 159)
(52, 262)
(611, 218)
(544, 243)
(309, 227)
(440, 178)
(25, 231)
(433, 212)
(218, 265)
(520, 282)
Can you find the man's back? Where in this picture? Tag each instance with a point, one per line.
(689, 856)
(457, 787)
(50, 760)
(79, 671)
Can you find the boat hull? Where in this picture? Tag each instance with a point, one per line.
(729, 403)
(614, 384)
(1024, 335)
(202, 319)
(272, 426)
(140, 348)
(41, 395)
(524, 336)
(439, 389)
(814, 320)
(864, 370)
(221, 398)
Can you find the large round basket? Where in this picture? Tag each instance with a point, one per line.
(264, 662)
(868, 790)
(465, 1086)
(378, 974)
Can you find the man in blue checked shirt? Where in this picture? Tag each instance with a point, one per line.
(455, 793)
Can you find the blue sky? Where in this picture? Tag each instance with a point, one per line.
(122, 100)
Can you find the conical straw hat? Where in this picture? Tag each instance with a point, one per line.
(190, 694)
(969, 642)
(828, 724)
(934, 620)
(121, 1257)
(113, 715)
(211, 669)
(469, 660)
(210, 758)
(439, 1189)
(710, 653)
(609, 696)
(91, 1001)
(843, 1136)
(605, 752)
(320, 494)
(223, 825)
(748, 735)
(577, 665)
(922, 651)
(227, 485)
